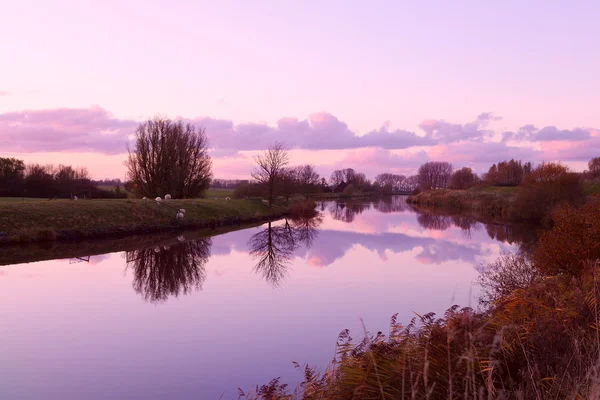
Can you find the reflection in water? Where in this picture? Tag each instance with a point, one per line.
(434, 222)
(347, 211)
(274, 246)
(391, 204)
(524, 235)
(165, 271)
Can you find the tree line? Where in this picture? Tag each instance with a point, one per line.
(18, 179)
(172, 157)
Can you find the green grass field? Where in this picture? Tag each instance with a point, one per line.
(218, 193)
(44, 219)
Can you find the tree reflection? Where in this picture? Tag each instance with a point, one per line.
(347, 211)
(161, 272)
(391, 204)
(273, 247)
(434, 222)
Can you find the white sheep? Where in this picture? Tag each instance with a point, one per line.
(227, 198)
(167, 197)
(158, 199)
(157, 249)
(265, 201)
(179, 215)
(166, 247)
(75, 198)
(180, 238)
(182, 210)
(144, 198)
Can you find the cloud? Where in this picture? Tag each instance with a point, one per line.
(441, 131)
(548, 133)
(321, 131)
(481, 152)
(65, 129)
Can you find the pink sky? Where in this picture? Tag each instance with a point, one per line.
(379, 87)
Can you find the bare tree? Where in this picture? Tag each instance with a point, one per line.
(270, 168)
(435, 174)
(389, 183)
(308, 179)
(170, 157)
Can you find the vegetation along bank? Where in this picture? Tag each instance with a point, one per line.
(41, 220)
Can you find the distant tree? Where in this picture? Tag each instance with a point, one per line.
(288, 182)
(170, 157)
(270, 169)
(594, 167)
(337, 178)
(463, 178)
(307, 179)
(349, 190)
(389, 183)
(508, 173)
(435, 174)
(39, 181)
(546, 187)
(410, 184)
(12, 176)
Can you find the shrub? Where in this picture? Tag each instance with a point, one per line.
(546, 187)
(574, 239)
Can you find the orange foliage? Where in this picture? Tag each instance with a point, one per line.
(574, 239)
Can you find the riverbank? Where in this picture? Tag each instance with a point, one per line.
(495, 202)
(60, 220)
(20, 253)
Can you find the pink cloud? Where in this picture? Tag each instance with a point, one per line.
(65, 129)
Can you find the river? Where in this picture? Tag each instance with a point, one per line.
(200, 318)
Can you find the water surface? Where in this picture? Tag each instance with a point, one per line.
(198, 319)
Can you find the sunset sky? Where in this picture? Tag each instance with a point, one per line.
(380, 86)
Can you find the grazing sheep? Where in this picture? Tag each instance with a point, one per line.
(158, 199)
(75, 198)
(179, 215)
(180, 238)
(157, 249)
(182, 210)
(144, 198)
(167, 197)
(165, 247)
(265, 201)
(227, 198)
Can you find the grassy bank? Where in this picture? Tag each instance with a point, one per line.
(494, 201)
(45, 220)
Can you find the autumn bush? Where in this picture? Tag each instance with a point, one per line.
(549, 185)
(574, 239)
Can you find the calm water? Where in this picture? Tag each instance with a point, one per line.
(199, 319)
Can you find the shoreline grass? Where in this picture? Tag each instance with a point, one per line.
(44, 220)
